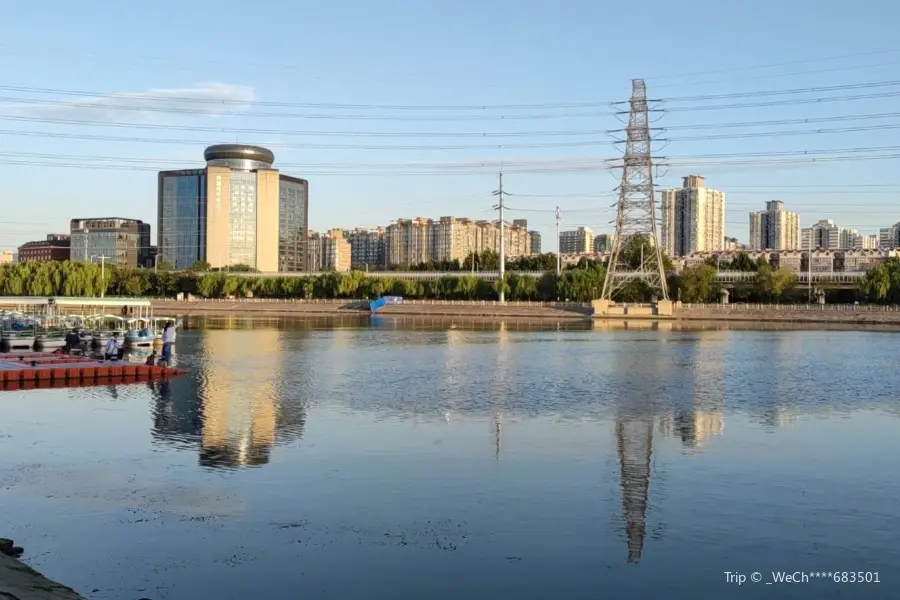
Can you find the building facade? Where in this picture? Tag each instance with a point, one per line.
(603, 243)
(692, 219)
(8, 257)
(861, 241)
(55, 247)
(414, 241)
(535, 242)
(237, 210)
(576, 241)
(889, 237)
(824, 235)
(367, 249)
(330, 251)
(121, 242)
(774, 228)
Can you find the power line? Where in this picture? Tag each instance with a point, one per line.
(308, 133)
(776, 64)
(760, 93)
(793, 101)
(285, 115)
(283, 104)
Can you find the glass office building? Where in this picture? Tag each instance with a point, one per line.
(239, 210)
(113, 240)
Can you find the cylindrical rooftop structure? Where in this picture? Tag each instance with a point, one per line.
(239, 156)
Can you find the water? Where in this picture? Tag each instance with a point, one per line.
(418, 460)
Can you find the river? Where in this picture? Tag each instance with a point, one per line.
(412, 459)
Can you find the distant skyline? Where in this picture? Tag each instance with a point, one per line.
(163, 81)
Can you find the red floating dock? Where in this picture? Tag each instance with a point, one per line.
(38, 370)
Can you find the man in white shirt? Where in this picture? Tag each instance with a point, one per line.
(168, 340)
(112, 347)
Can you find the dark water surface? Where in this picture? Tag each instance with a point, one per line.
(413, 460)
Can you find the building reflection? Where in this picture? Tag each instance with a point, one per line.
(634, 439)
(233, 407)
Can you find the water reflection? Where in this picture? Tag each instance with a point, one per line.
(509, 460)
(231, 404)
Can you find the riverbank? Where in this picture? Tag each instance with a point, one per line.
(813, 313)
(772, 313)
(18, 581)
(419, 308)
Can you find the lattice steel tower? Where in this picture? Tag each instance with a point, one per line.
(636, 214)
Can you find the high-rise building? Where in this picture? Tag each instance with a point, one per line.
(336, 251)
(576, 241)
(774, 228)
(603, 243)
(692, 219)
(329, 251)
(889, 237)
(414, 241)
(367, 249)
(55, 247)
(121, 242)
(859, 241)
(535, 242)
(237, 210)
(825, 235)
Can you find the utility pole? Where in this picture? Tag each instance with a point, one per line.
(102, 275)
(809, 267)
(86, 259)
(558, 255)
(499, 194)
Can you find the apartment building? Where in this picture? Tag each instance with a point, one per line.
(889, 237)
(692, 218)
(535, 242)
(774, 228)
(576, 241)
(367, 248)
(329, 251)
(414, 241)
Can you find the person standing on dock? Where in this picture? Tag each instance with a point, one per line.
(112, 347)
(168, 339)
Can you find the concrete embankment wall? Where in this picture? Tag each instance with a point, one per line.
(18, 581)
(356, 307)
(813, 314)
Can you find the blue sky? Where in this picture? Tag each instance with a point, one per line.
(458, 54)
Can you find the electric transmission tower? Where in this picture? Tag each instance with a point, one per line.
(636, 212)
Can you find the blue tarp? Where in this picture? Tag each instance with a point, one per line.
(376, 304)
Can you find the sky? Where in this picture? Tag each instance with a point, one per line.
(401, 109)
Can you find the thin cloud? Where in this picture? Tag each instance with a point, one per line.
(204, 99)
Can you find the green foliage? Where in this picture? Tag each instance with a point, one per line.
(84, 279)
(881, 283)
(698, 284)
(742, 262)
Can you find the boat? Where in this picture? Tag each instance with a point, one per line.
(101, 327)
(52, 332)
(139, 332)
(17, 331)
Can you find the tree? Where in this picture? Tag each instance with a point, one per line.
(742, 262)
(773, 283)
(698, 284)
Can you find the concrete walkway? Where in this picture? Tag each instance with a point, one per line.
(18, 581)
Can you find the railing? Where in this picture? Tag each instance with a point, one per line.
(875, 308)
(722, 276)
(523, 303)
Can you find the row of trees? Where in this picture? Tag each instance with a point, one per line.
(583, 282)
